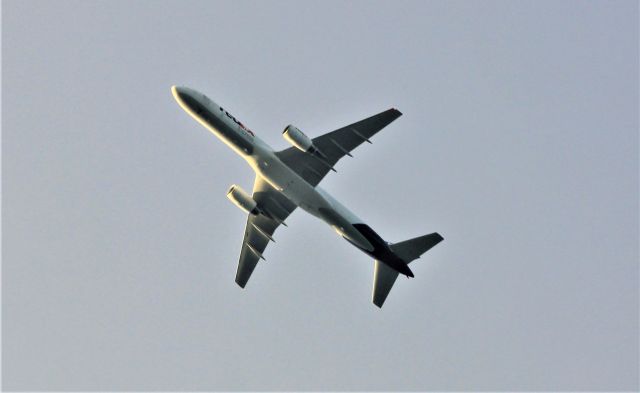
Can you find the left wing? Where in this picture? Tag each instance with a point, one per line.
(335, 145)
(259, 229)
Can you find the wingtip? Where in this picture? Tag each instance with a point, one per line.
(377, 301)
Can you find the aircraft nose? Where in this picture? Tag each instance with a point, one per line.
(185, 98)
(178, 92)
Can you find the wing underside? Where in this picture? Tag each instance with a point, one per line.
(335, 145)
(259, 229)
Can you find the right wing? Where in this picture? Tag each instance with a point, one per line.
(335, 145)
(260, 228)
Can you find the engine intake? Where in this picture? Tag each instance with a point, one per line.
(297, 138)
(244, 201)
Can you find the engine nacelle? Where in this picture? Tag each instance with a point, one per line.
(244, 201)
(297, 138)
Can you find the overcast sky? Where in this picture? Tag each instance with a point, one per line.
(518, 143)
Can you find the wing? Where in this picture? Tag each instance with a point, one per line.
(335, 145)
(260, 228)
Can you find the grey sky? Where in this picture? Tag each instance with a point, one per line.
(519, 144)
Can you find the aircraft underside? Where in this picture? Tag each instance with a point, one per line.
(289, 178)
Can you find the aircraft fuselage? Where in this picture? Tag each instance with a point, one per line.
(262, 158)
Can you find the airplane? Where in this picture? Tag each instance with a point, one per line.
(289, 178)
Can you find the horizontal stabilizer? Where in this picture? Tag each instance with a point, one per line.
(384, 276)
(409, 250)
(383, 279)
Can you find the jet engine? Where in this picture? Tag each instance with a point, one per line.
(302, 142)
(297, 138)
(244, 201)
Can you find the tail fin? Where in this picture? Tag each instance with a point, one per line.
(384, 277)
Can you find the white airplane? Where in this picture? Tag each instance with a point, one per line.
(289, 178)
